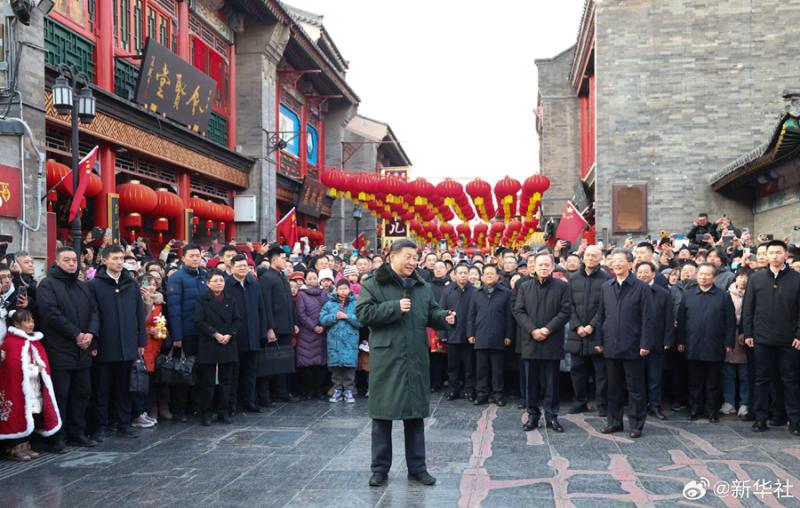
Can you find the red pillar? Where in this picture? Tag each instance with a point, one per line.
(108, 160)
(320, 144)
(183, 31)
(183, 192)
(232, 99)
(104, 63)
(230, 227)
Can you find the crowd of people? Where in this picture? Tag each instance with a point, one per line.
(706, 323)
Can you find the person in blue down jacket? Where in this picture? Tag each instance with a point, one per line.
(183, 289)
(121, 340)
(339, 316)
(489, 327)
(625, 337)
(460, 353)
(706, 331)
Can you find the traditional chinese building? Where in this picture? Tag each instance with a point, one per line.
(368, 146)
(177, 136)
(660, 85)
(292, 80)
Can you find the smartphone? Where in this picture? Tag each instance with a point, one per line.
(22, 292)
(146, 283)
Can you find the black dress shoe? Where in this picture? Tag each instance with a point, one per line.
(126, 432)
(748, 417)
(81, 440)
(521, 404)
(610, 429)
(481, 402)
(635, 434)
(422, 477)
(183, 419)
(253, 409)
(713, 419)
(760, 426)
(378, 479)
(532, 423)
(470, 396)
(657, 414)
(58, 446)
(224, 418)
(205, 420)
(452, 396)
(289, 398)
(777, 422)
(555, 426)
(695, 416)
(578, 409)
(794, 429)
(99, 435)
(500, 402)
(602, 413)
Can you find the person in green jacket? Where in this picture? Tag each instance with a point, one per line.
(397, 305)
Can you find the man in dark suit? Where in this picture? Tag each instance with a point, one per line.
(663, 336)
(280, 312)
(625, 337)
(542, 309)
(460, 353)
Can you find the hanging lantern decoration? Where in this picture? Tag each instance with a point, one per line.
(511, 235)
(506, 193)
(195, 222)
(479, 234)
(161, 224)
(496, 233)
(455, 198)
(335, 180)
(431, 231)
(481, 194)
(57, 175)
(464, 232)
(136, 198)
(132, 222)
(52, 198)
(531, 196)
(528, 229)
(209, 227)
(448, 233)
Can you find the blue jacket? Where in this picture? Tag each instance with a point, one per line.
(489, 317)
(183, 288)
(706, 324)
(122, 318)
(342, 333)
(625, 318)
(454, 298)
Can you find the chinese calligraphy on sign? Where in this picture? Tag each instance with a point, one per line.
(312, 197)
(172, 86)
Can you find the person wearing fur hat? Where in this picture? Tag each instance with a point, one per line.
(27, 400)
(350, 274)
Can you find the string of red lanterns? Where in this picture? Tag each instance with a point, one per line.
(429, 208)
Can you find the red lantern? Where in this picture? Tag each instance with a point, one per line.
(464, 232)
(169, 204)
(136, 198)
(161, 224)
(532, 191)
(481, 194)
(56, 174)
(496, 233)
(132, 221)
(52, 197)
(200, 207)
(479, 234)
(506, 193)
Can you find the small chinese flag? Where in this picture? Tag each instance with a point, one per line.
(85, 167)
(287, 227)
(360, 243)
(572, 224)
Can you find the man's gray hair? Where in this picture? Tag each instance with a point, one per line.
(628, 254)
(546, 253)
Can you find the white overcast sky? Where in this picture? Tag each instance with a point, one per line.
(454, 79)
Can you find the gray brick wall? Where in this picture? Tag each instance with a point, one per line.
(258, 51)
(559, 141)
(684, 87)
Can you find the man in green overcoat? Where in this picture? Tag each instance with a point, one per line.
(397, 305)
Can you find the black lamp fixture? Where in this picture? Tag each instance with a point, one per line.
(81, 107)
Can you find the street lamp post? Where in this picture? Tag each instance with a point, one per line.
(81, 107)
(357, 214)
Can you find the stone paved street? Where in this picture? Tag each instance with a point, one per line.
(317, 454)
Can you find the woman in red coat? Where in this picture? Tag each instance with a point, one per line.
(27, 400)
